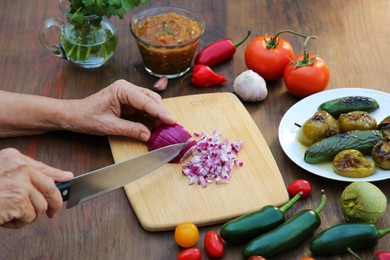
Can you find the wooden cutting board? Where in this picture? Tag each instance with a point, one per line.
(163, 199)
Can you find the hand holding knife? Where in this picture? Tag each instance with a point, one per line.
(96, 183)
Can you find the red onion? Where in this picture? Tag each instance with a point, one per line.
(213, 161)
(164, 135)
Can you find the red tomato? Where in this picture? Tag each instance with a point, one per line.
(306, 80)
(306, 258)
(190, 254)
(213, 244)
(300, 185)
(268, 62)
(256, 257)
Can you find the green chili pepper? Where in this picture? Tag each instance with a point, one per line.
(344, 237)
(348, 104)
(326, 149)
(243, 229)
(287, 235)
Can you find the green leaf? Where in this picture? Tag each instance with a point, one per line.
(77, 18)
(88, 2)
(106, 8)
(115, 3)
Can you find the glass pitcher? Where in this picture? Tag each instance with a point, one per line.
(89, 43)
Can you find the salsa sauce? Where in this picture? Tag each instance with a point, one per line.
(167, 42)
(167, 29)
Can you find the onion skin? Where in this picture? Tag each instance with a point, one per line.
(164, 135)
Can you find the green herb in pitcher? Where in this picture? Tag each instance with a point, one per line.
(93, 45)
(87, 37)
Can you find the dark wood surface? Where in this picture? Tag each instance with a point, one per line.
(353, 40)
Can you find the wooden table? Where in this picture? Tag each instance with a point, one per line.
(353, 39)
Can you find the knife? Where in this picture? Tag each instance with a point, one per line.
(96, 183)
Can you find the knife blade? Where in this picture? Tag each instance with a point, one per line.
(98, 182)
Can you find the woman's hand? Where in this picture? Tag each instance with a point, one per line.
(27, 189)
(106, 112)
(103, 113)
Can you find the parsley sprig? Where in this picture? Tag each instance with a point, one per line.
(108, 8)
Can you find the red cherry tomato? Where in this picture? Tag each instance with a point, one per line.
(190, 254)
(306, 80)
(256, 257)
(382, 256)
(300, 185)
(268, 62)
(213, 244)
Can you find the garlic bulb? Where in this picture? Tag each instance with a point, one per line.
(250, 86)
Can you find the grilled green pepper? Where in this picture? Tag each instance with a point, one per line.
(326, 149)
(356, 120)
(381, 153)
(344, 237)
(384, 126)
(243, 229)
(287, 235)
(321, 125)
(352, 163)
(348, 104)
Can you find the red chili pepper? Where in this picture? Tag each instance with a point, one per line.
(218, 52)
(382, 256)
(213, 245)
(298, 186)
(203, 76)
(192, 253)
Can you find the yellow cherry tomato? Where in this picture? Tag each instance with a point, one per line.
(186, 234)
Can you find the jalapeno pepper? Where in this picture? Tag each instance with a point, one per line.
(344, 237)
(218, 52)
(326, 149)
(243, 229)
(203, 76)
(287, 235)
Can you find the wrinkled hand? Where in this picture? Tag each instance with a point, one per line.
(27, 189)
(102, 113)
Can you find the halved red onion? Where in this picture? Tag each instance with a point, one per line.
(164, 135)
(213, 160)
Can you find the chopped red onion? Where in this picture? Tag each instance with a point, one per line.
(213, 160)
(164, 135)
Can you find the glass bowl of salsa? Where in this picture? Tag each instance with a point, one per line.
(167, 38)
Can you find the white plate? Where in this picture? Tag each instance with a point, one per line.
(305, 108)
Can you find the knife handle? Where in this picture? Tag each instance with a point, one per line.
(64, 188)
